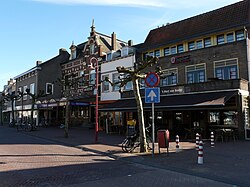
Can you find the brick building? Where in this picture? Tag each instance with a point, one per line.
(205, 63)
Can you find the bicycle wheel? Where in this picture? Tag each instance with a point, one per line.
(28, 127)
(132, 144)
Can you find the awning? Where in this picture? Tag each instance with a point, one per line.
(184, 101)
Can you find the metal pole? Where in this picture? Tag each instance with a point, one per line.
(153, 129)
(96, 102)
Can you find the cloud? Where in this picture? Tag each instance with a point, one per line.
(126, 3)
(180, 4)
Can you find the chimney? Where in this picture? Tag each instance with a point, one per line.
(130, 42)
(113, 41)
(62, 50)
(38, 62)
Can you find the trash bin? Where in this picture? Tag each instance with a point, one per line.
(163, 139)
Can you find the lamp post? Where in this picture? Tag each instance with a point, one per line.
(94, 65)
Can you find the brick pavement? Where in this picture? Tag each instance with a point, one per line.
(226, 162)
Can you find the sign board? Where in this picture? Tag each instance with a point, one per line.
(152, 79)
(152, 95)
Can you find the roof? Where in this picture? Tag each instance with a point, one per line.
(197, 100)
(227, 17)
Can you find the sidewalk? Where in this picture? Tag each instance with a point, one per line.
(226, 162)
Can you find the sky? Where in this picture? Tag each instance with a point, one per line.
(32, 30)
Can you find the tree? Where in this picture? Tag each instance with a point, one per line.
(134, 75)
(34, 98)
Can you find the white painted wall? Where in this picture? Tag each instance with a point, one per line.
(109, 68)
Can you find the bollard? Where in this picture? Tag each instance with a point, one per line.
(200, 153)
(177, 143)
(212, 139)
(197, 139)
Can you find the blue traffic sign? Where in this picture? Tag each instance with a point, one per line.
(152, 95)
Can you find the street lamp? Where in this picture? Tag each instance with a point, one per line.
(94, 65)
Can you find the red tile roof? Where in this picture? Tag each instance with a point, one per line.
(227, 17)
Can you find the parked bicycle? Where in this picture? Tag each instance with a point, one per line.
(130, 143)
(23, 126)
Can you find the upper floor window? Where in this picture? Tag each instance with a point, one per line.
(128, 86)
(142, 83)
(25, 92)
(180, 48)
(49, 88)
(151, 53)
(105, 84)
(199, 44)
(166, 51)
(92, 49)
(92, 77)
(115, 80)
(230, 37)
(170, 77)
(124, 51)
(157, 53)
(207, 42)
(191, 46)
(195, 73)
(109, 56)
(220, 39)
(240, 35)
(173, 50)
(226, 69)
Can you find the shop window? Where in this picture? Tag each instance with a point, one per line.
(180, 48)
(191, 46)
(166, 51)
(207, 42)
(214, 118)
(240, 35)
(220, 39)
(230, 37)
(230, 118)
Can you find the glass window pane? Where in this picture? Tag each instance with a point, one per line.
(230, 37)
(173, 50)
(240, 35)
(207, 42)
(166, 51)
(199, 44)
(191, 46)
(157, 53)
(220, 39)
(180, 48)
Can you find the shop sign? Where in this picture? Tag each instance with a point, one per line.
(175, 90)
(180, 59)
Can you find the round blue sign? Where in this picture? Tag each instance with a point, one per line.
(152, 79)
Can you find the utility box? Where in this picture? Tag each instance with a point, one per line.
(163, 139)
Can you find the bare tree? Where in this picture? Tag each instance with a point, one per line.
(134, 75)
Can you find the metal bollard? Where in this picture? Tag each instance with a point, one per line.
(212, 139)
(200, 153)
(197, 139)
(177, 143)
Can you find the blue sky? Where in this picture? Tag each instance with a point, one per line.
(34, 30)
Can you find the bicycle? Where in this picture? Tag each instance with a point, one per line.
(24, 126)
(130, 143)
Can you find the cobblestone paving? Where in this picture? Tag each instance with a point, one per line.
(31, 161)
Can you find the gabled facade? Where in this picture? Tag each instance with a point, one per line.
(82, 99)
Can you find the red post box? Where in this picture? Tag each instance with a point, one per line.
(163, 139)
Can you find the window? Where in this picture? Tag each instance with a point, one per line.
(166, 51)
(92, 49)
(226, 69)
(105, 84)
(230, 37)
(180, 48)
(173, 50)
(115, 79)
(124, 51)
(73, 54)
(92, 77)
(220, 39)
(128, 86)
(195, 73)
(191, 46)
(142, 83)
(170, 77)
(157, 53)
(109, 56)
(151, 54)
(207, 42)
(25, 92)
(240, 35)
(49, 88)
(199, 44)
